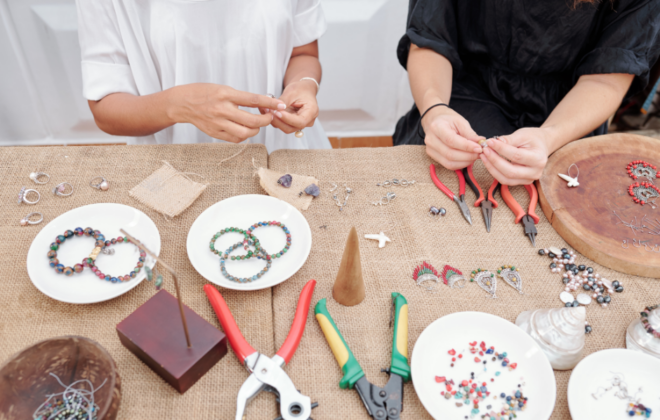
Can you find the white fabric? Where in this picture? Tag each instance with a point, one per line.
(146, 46)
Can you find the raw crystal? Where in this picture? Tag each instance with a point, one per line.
(313, 190)
(285, 181)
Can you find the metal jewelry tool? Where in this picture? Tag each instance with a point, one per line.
(381, 403)
(529, 219)
(460, 199)
(266, 373)
(487, 203)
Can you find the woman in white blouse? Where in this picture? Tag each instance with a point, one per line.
(193, 71)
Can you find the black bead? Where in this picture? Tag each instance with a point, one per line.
(576, 303)
(568, 267)
(587, 329)
(591, 279)
(551, 255)
(566, 256)
(568, 304)
(582, 267)
(575, 270)
(600, 299)
(590, 270)
(615, 284)
(553, 265)
(564, 251)
(541, 252)
(586, 287)
(607, 299)
(619, 289)
(566, 280)
(601, 289)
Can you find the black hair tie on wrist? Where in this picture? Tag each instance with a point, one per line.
(424, 114)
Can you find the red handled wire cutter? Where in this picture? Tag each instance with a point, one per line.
(266, 373)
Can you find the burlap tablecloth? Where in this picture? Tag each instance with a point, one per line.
(415, 238)
(27, 316)
(265, 317)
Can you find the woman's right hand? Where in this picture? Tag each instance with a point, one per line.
(450, 140)
(214, 110)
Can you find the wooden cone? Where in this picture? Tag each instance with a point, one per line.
(349, 285)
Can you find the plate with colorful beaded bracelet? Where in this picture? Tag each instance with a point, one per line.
(85, 286)
(280, 229)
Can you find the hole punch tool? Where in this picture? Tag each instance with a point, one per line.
(381, 403)
(460, 199)
(529, 219)
(487, 203)
(266, 373)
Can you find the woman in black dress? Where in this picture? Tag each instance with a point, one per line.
(537, 73)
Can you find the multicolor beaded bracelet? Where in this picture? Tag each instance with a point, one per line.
(54, 247)
(646, 323)
(247, 236)
(91, 263)
(260, 254)
(273, 223)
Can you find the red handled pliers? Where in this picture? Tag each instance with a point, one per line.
(460, 200)
(529, 219)
(487, 203)
(266, 373)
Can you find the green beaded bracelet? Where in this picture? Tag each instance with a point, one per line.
(247, 236)
(260, 254)
(273, 223)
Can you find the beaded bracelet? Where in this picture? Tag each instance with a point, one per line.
(247, 236)
(260, 254)
(54, 247)
(91, 263)
(647, 324)
(274, 223)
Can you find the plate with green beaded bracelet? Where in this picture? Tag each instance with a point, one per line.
(282, 231)
(85, 286)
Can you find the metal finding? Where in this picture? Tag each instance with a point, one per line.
(396, 182)
(339, 203)
(385, 200)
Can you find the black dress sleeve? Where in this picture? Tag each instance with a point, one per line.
(431, 24)
(629, 42)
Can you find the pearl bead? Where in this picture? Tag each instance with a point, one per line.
(104, 186)
(33, 176)
(24, 222)
(299, 133)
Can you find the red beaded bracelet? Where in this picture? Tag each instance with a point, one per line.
(89, 262)
(646, 323)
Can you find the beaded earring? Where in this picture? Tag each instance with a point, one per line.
(425, 272)
(486, 280)
(511, 276)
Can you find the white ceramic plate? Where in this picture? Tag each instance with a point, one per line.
(243, 211)
(85, 287)
(595, 371)
(430, 358)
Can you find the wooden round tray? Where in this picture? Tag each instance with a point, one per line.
(587, 216)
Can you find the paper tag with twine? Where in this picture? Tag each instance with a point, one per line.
(168, 191)
(268, 180)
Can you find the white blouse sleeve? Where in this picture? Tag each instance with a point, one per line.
(105, 67)
(309, 22)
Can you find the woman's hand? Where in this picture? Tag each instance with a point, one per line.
(302, 108)
(519, 158)
(214, 110)
(449, 139)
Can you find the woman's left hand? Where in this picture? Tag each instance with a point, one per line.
(519, 158)
(302, 108)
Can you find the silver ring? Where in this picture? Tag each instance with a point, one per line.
(102, 185)
(22, 196)
(26, 220)
(34, 176)
(61, 187)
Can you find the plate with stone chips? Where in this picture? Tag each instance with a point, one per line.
(86, 287)
(444, 351)
(242, 212)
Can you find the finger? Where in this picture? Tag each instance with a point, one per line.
(286, 128)
(264, 110)
(465, 130)
(449, 137)
(514, 154)
(223, 135)
(240, 131)
(254, 100)
(449, 152)
(499, 176)
(249, 119)
(512, 171)
(300, 120)
(441, 159)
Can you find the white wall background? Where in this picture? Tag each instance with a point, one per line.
(364, 89)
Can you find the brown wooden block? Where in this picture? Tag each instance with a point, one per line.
(154, 333)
